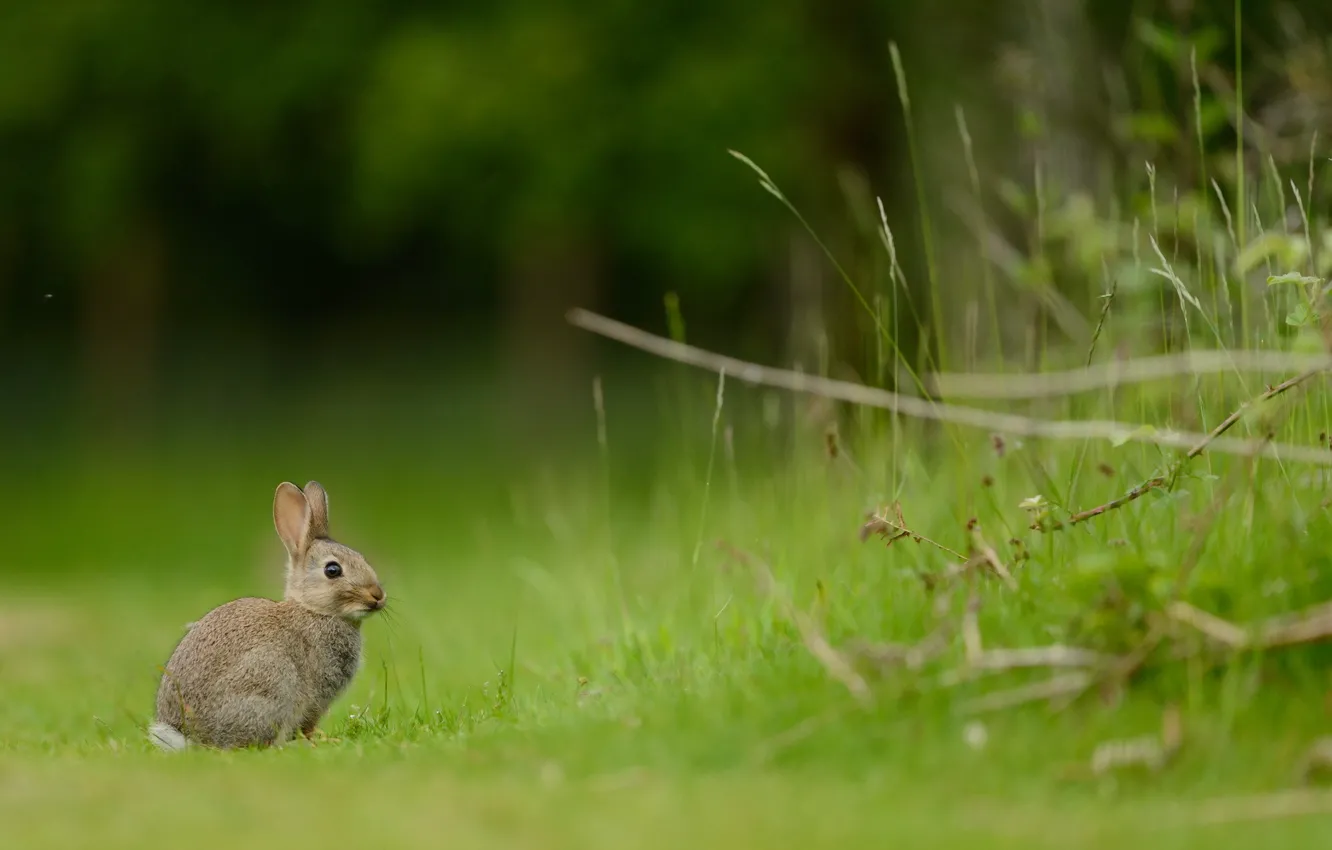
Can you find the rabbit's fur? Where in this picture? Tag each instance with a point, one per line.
(254, 672)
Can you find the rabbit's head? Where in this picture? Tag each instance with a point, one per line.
(323, 575)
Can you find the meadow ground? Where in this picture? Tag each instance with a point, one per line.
(640, 646)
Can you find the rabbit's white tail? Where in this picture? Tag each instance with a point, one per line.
(166, 737)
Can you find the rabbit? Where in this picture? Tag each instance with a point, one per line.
(254, 672)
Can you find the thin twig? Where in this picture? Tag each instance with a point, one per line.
(1114, 504)
(976, 385)
(1056, 686)
(853, 393)
(830, 658)
(1039, 656)
(1271, 393)
(1222, 631)
(1198, 448)
(1308, 626)
(1109, 299)
(986, 553)
(1312, 624)
(993, 661)
(878, 523)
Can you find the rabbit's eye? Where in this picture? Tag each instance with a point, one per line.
(332, 569)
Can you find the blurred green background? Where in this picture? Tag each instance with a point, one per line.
(337, 239)
(246, 243)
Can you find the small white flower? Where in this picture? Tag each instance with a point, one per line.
(975, 735)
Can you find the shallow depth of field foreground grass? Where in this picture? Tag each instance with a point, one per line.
(661, 664)
(714, 620)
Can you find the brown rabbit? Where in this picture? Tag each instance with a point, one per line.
(253, 672)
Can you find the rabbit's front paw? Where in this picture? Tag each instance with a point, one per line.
(317, 736)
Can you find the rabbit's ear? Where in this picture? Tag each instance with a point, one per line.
(291, 517)
(317, 498)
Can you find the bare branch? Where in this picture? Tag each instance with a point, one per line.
(976, 385)
(1115, 504)
(1308, 626)
(1039, 656)
(1313, 624)
(1056, 686)
(853, 393)
(1222, 631)
(1230, 420)
(1198, 448)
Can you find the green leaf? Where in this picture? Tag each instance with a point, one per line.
(1124, 437)
(1293, 277)
(1286, 250)
(1302, 315)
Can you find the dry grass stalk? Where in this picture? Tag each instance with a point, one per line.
(1118, 373)
(836, 665)
(889, 524)
(1311, 625)
(853, 393)
(1222, 631)
(994, 661)
(1040, 656)
(980, 548)
(1152, 752)
(1060, 685)
(1196, 449)
(982, 554)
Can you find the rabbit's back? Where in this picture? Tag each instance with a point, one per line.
(254, 671)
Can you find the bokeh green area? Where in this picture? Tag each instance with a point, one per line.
(336, 241)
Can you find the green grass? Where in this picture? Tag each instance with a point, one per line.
(560, 672)
(570, 660)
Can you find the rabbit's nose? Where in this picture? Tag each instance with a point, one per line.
(377, 593)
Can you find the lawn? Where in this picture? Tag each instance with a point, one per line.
(636, 641)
